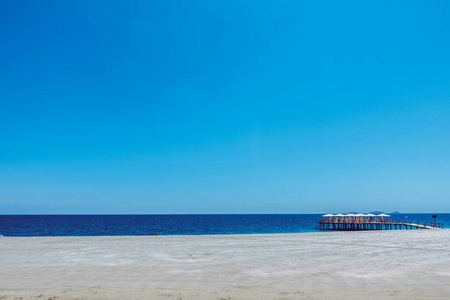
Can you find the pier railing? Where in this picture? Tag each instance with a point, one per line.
(357, 223)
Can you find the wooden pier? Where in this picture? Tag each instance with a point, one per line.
(353, 223)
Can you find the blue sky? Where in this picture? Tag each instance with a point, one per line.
(224, 106)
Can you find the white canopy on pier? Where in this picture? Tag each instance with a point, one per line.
(356, 215)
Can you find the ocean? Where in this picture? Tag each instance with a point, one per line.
(97, 225)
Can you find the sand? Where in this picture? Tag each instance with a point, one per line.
(326, 265)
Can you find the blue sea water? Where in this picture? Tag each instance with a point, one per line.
(95, 225)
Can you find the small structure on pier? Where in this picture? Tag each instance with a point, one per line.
(369, 222)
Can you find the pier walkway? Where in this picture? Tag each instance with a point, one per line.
(363, 222)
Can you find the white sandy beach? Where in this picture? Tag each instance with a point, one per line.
(326, 265)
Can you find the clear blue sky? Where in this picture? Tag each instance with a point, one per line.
(224, 106)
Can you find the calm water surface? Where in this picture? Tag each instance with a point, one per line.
(94, 225)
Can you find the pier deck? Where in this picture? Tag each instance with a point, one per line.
(332, 224)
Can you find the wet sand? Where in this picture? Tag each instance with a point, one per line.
(326, 265)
